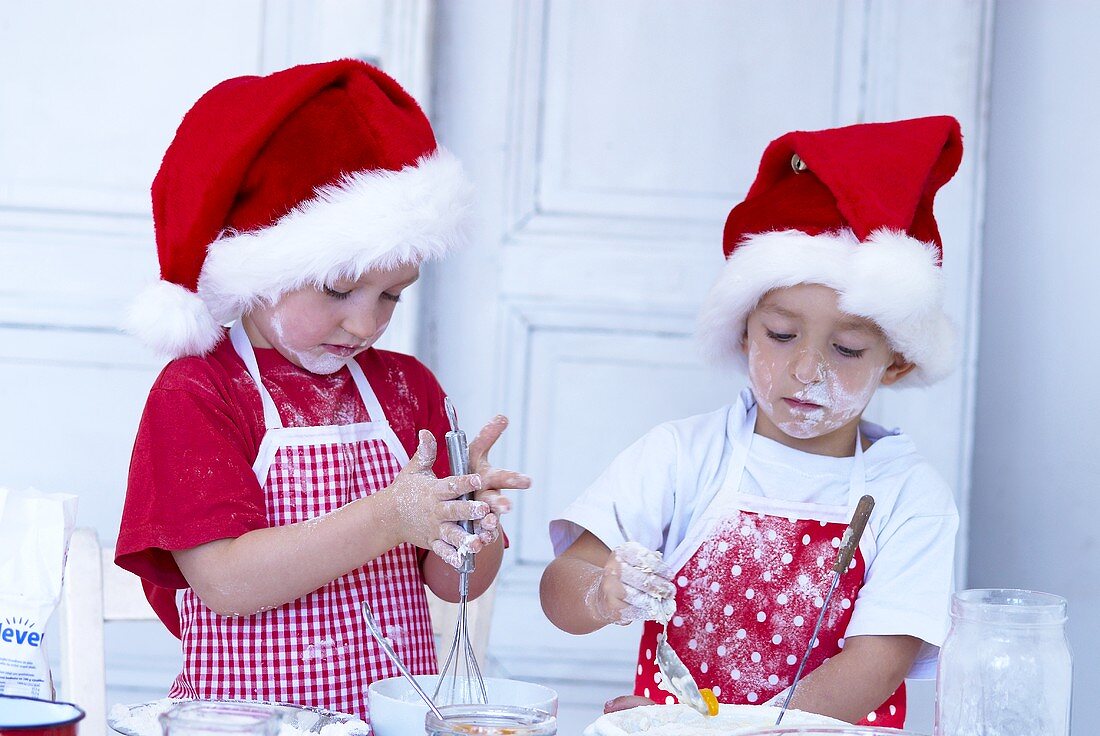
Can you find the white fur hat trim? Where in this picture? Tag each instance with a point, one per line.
(370, 219)
(890, 278)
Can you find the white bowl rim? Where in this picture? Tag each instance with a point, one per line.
(382, 688)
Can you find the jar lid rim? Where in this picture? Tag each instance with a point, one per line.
(1009, 605)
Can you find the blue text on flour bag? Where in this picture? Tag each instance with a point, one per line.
(19, 631)
(23, 669)
(35, 529)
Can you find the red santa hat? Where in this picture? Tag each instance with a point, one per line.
(301, 177)
(849, 208)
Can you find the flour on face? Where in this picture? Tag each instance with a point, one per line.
(813, 368)
(831, 399)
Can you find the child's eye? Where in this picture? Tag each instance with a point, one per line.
(849, 352)
(780, 336)
(391, 297)
(329, 291)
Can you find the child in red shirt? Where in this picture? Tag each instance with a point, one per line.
(285, 472)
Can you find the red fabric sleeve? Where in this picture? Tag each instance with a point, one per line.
(191, 478)
(163, 603)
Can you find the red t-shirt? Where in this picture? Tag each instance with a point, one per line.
(191, 478)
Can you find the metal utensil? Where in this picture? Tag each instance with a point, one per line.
(460, 679)
(677, 677)
(372, 624)
(619, 521)
(675, 673)
(844, 557)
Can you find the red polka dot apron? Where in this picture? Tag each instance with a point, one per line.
(750, 584)
(314, 651)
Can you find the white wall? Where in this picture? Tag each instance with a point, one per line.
(1034, 497)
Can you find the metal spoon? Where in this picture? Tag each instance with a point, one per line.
(676, 676)
(844, 557)
(372, 624)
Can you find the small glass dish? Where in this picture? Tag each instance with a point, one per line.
(199, 718)
(490, 720)
(142, 719)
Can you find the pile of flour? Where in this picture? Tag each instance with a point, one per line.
(682, 720)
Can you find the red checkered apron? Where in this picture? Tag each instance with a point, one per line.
(317, 650)
(749, 587)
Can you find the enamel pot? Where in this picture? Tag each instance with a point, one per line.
(33, 717)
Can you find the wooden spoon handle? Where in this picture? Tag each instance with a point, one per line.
(853, 533)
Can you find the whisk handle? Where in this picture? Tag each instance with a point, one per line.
(458, 453)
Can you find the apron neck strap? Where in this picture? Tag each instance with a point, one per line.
(244, 349)
(272, 419)
(741, 444)
(366, 393)
(857, 485)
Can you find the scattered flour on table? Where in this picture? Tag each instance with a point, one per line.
(354, 727)
(138, 719)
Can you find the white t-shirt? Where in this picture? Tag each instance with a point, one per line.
(663, 483)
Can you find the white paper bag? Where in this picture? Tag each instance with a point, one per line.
(34, 538)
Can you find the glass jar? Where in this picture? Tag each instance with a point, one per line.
(490, 720)
(1005, 667)
(211, 718)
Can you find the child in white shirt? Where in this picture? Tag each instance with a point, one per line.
(832, 288)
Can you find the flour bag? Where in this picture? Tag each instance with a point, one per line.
(34, 537)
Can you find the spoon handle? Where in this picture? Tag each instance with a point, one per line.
(372, 624)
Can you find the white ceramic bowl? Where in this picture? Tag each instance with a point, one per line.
(396, 709)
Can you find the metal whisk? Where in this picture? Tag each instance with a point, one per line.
(460, 680)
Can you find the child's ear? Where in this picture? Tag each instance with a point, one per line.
(744, 342)
(897, 369)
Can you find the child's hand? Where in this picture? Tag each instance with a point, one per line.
(626, 702)
(635, 586)
(494, 479)
(425, 509)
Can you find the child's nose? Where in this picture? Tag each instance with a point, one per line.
(809, 366)
(360, 324)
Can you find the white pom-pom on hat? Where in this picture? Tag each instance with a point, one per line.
(172, 320)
